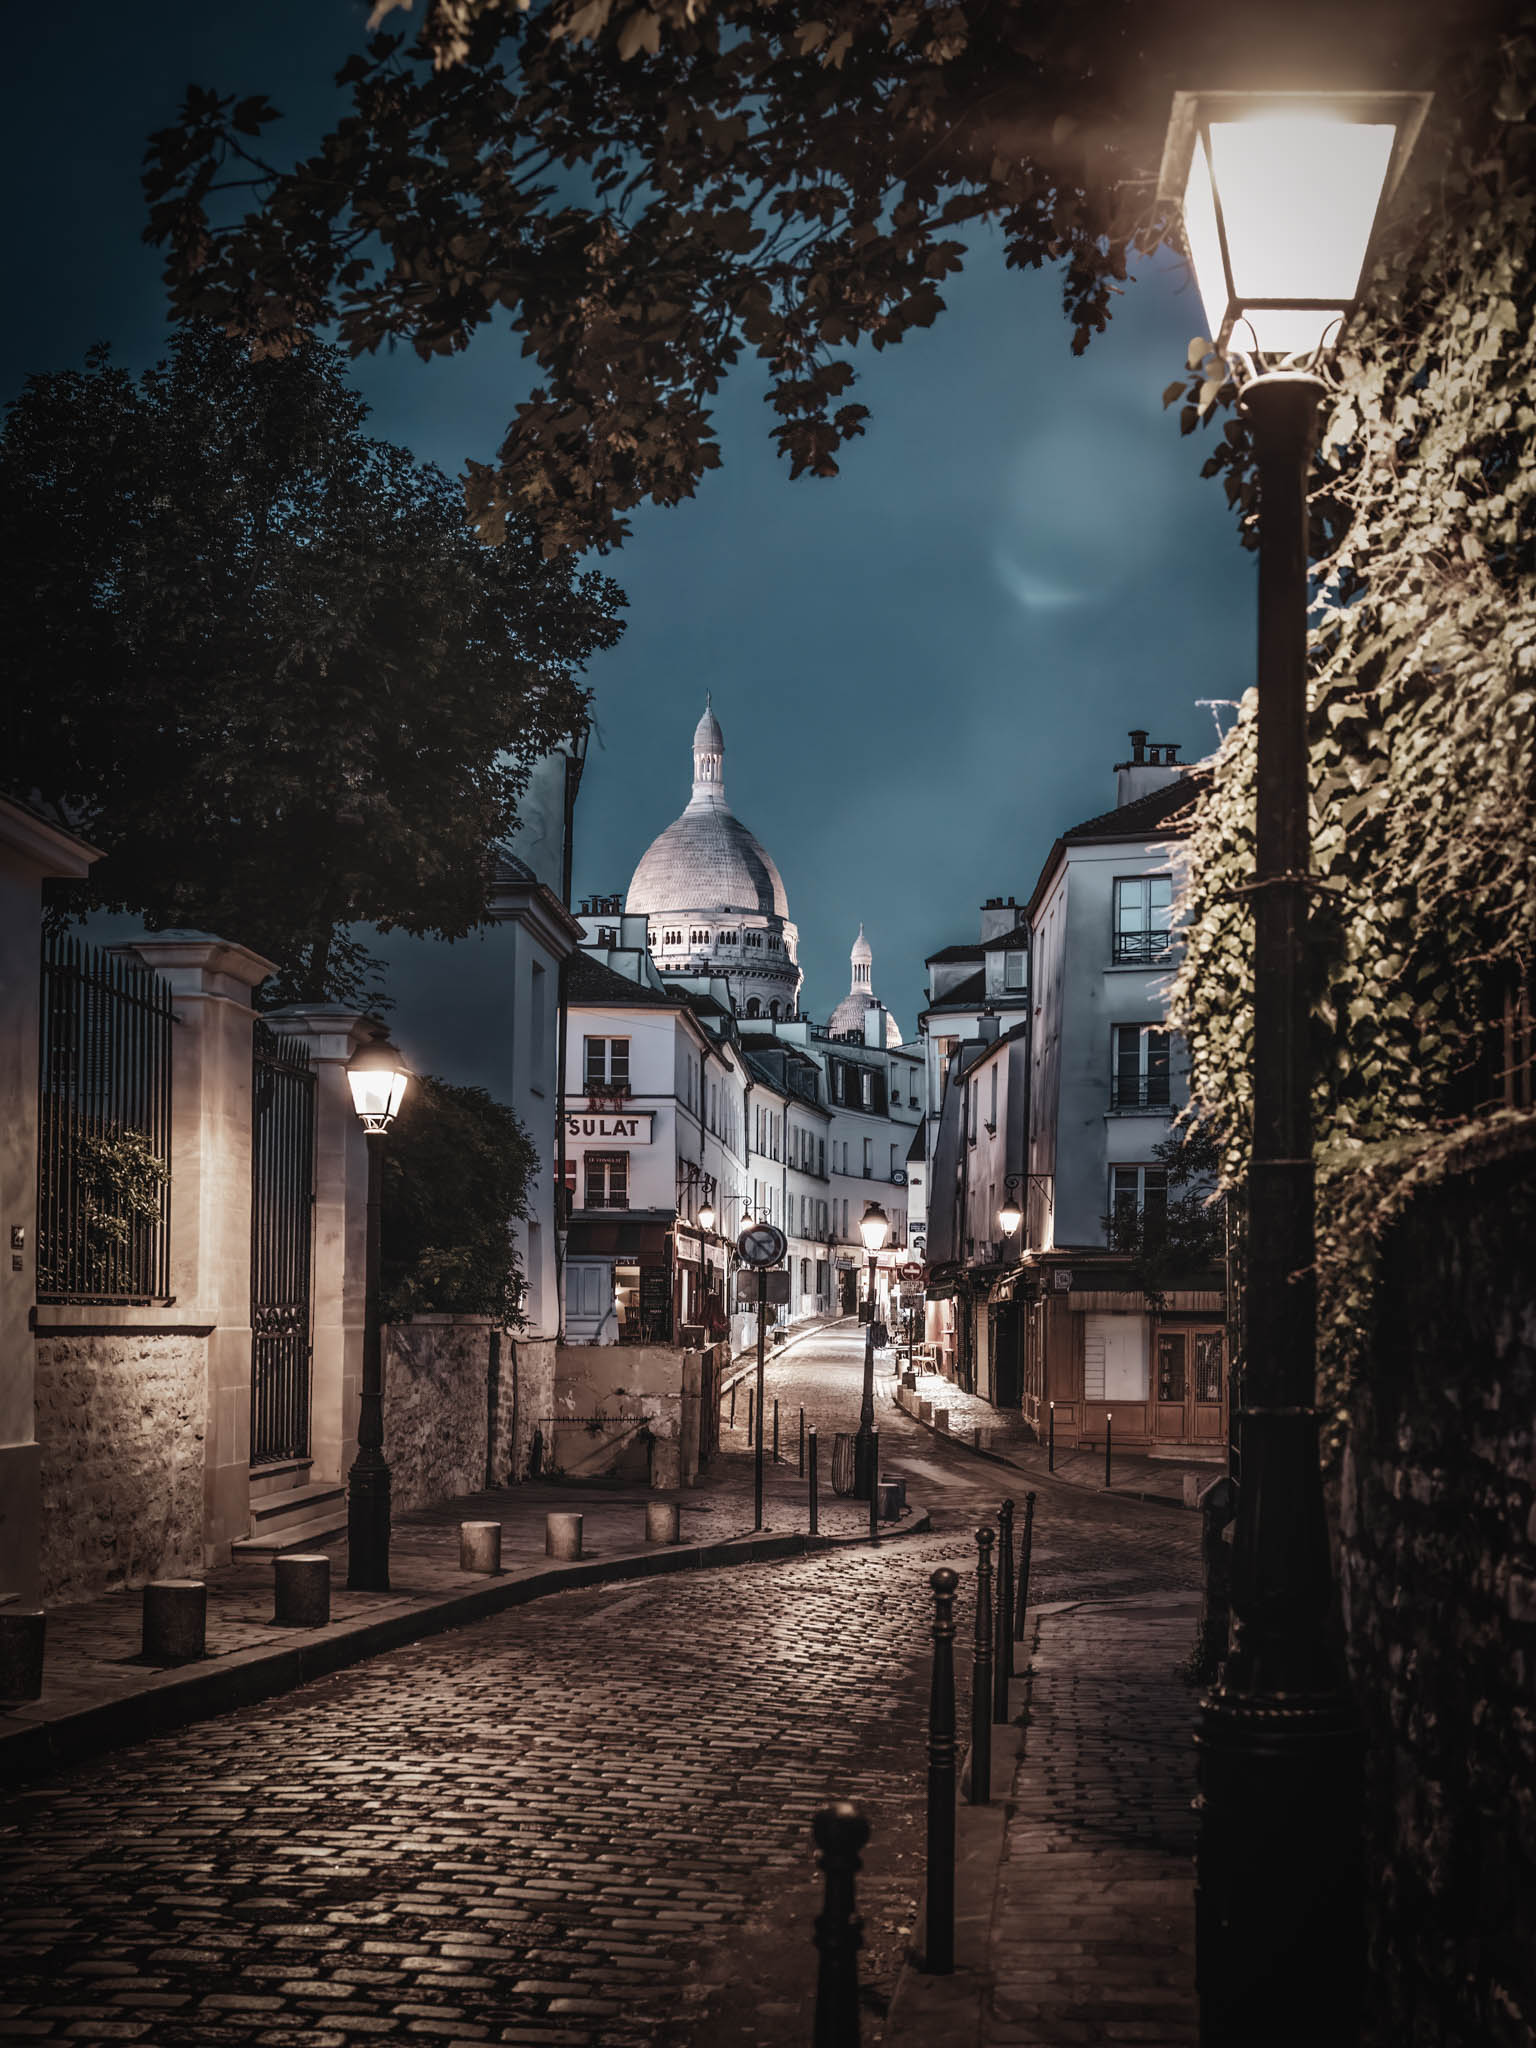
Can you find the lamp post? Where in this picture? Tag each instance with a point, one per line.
(1010, 1216)
(1280, 195)
(874, 1228)
(378, 1078)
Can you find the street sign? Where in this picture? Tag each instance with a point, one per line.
(1061, 1279)
(914, 1270)
(762, 1244)
(747, 1285)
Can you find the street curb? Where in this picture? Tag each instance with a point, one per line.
(178, 1698)
(948, 1436)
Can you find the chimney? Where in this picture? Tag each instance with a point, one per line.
(1153, 765)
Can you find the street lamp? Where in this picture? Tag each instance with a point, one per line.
(1280, 194)
(378, 1078)
(1010, 1216)
(874, 1228)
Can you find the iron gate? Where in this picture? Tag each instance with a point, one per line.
(282, 1206)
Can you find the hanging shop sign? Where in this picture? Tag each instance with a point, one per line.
(626, 1127)
(747, 1285)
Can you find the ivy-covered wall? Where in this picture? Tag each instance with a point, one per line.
(1438, 1554)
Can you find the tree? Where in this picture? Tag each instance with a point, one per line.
(456, 1172)
(261, 661)
(649, 189)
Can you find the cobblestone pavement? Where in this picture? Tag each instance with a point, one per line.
(583, 1822)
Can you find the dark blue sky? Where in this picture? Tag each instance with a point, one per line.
(924, 668)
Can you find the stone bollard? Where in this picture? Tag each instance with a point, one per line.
(175, 1621)
(925, 1411)
(301, 1589)
(663, 1522)
(21, 1653)
(562, 1535)
(1191, 1489)
(479, 1546)
(890, 1500)
(666, 1464)
(941, 1420)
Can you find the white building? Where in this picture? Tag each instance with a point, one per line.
(713, 900)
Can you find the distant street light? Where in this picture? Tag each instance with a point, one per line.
(1280, 195)
(874, 1228)
(378, 1078)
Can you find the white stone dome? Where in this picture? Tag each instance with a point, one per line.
(848, 1017)
(707, 860)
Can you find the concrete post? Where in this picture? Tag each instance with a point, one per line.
(562, 1536)
(211, 981)
(30, 852)
(332, 1034)
(480, 1547)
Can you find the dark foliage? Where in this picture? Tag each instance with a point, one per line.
(1179, 1245)
(457, 1165)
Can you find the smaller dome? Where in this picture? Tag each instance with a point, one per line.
(707, 736)
(851, 1011)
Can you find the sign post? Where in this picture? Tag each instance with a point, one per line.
(761, 1245)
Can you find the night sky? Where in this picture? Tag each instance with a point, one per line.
(924, 668)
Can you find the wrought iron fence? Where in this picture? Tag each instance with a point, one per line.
(104, 1127)
(282, 1223)
(1143, 949)
(1140, 1091)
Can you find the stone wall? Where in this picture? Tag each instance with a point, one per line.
(436, 1406)
(1438, 1568)
(528, 1363)
(121, 1428)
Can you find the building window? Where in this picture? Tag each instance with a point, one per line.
(773, 942)
(1139, 1191)
(866, 1088)
(992, 1114)
(839, 1081)
(754, 1007)
(727, 938)
(672, 938)
(773, 1010)
(606, 1064)
(752, 938)
(607, 1180)
(1143, 914)
(1140, 1079)
(653, 940)
(869, 1158)
(821, 1276)
(895, 1165)
(698, 937)
(821, 1157)
(1015, 970)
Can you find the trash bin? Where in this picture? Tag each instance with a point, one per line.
(842, 1463)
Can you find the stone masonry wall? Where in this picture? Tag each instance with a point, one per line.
(532, 1360)
(1438, 1557)
(121, 1422)
(436, 1406)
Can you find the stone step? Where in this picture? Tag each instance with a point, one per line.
(288, 1521)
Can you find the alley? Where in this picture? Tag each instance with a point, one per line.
(583, 1822)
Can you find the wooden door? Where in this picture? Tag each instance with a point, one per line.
(1189, 1406)
(1171, 1407)
(1208, 1415)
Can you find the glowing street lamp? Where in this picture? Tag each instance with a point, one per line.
(1010, 1216)
(874, 1228)
(1281, 195)
(378, 1078)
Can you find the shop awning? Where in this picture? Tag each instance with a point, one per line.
(616, 1237)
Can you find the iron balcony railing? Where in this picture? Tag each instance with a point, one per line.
(1142, 949)
(1140, 1091)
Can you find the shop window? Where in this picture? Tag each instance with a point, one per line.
(1115, 1358)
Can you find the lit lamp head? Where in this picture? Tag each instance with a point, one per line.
(874, 1227)
(1010, 1216)
(378, 1077)
(1280, 195)
(707, 1216)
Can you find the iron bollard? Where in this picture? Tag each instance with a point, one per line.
(776, 1429)
(1026, 1544)
(802, 1441)
(940, 1955)
(811, 1470)
(874, 1486)
(733, 1405)
(981, 1675)
(1109, 1428)
(1002, 1633)
(1050, 1449)
(751, 1434)
(841, 1832)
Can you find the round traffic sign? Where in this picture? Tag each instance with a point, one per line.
(762, 1244)
(914, 1270)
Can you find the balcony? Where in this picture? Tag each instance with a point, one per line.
(1150, 1092)
(1142, 949)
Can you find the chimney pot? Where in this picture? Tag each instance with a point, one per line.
(1138, 745)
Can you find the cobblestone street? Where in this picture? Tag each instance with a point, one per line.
(585, 1821)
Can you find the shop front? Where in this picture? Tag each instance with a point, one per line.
(618, 1281)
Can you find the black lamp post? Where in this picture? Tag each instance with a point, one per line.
(874, 1228)
(1280, 194)
(377, 1077)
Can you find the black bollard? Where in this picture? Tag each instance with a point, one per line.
(940, 1955)
(1026, 1544)
(811, 1477)
(841, 1832)
(1050, 1448)
(1002, 1633)
(751, 1434)
(1109, 1427)
(776, 1429)
(733, 1405)
(981, 1675)
(802, 1442)
(874, 1486)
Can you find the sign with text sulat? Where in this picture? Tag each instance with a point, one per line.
(625, 1127)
